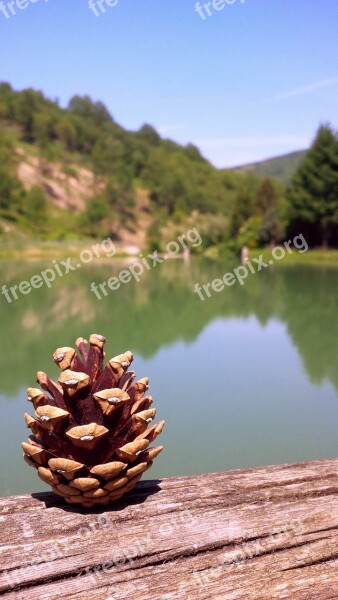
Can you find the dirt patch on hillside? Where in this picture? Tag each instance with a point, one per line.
(68, 192)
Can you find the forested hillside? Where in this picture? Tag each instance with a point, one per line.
(75, 173)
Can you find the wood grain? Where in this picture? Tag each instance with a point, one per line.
(264, 534)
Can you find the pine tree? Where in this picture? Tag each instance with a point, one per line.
(313, 192)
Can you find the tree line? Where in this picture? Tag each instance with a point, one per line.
(231, 208)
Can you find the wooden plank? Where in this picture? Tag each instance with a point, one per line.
(268, 533)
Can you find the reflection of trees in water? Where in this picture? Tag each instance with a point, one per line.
(162, 309)
(309, 308)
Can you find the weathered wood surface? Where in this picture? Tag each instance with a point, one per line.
(268, 533)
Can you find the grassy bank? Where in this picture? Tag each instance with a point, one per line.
(40, 250)
(31, 251)
(311, 257)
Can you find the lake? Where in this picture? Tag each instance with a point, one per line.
(249, 377)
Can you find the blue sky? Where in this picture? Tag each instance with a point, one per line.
(251, 81)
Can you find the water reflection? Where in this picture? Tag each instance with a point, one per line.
(162, 309)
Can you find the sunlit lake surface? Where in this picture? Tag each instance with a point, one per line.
(246, 378)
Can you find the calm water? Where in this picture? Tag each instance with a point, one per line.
(249, 377)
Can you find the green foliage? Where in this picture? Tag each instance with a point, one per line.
(11, 190)
(266, 196)
(155, 241)
(258, 215)
(148, 134)
(282, 167)
(178, 182)
(86, 108)
(66, 132)
(250, 233)
(235, 207)
(96, 211)
(35, 209)
(213, 228)
(120, 197)
(313, 192)
(107, 155)
(193, 152)
(10, 194)
(271, 229)
(244, 205)
(43, 129)
(179, 179)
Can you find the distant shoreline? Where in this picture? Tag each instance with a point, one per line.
(31, 251)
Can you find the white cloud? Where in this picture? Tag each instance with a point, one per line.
(306, 89)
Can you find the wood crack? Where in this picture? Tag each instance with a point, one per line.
(326, 559)
(256, 534)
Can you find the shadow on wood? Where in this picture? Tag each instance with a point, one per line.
(258, 534)
(140, 494)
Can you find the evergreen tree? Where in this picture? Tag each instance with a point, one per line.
(313, 192)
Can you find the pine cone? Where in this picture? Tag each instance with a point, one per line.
(90, 435)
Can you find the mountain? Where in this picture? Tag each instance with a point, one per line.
(280, 167)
